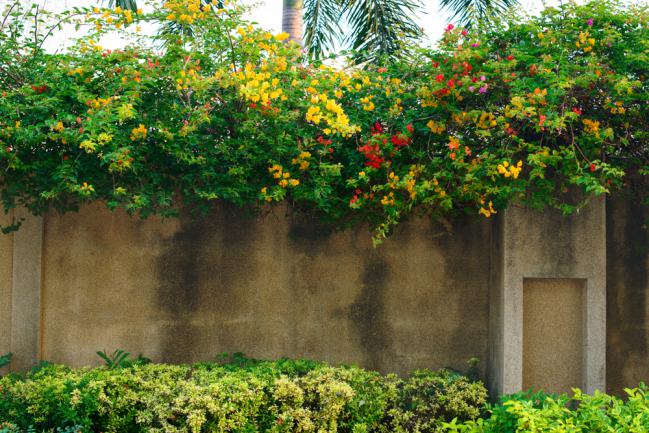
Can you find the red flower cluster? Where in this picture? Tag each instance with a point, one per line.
(358, 193)
(40, 89)
(326, 143)
(372, 154)
(372, 149)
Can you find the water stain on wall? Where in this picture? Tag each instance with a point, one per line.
(368, 314)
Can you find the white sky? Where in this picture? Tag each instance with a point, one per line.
(268, 13)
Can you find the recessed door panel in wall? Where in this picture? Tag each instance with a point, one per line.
(553, 333)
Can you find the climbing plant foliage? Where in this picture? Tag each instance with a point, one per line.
(225, 111)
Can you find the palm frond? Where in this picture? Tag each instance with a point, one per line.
(381, 28)
(322, 26)
(124, 4)
(469, 12)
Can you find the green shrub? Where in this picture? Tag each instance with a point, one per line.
(581, 413)
(240, 395)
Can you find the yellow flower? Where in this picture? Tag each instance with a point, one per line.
(488, 210)
(436, 127)
(139, 133)
(294, 182)
(591, 126)
(88, 145)
(59, 127)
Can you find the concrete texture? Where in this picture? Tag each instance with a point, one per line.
(547, 245)
(289, 286)
(553, 334)
(6, 260)
(628, 290)
(270, 287)
(26, 291)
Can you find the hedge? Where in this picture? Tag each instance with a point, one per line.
(240, 396)
(577, 413)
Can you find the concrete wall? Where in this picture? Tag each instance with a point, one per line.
(627, 290)
(182, 291)
(6, 256)
(548, 245)
(553, 334)
(277, 286)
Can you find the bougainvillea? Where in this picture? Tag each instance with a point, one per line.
(223, 110)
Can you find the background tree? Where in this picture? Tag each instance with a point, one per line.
(373, 29)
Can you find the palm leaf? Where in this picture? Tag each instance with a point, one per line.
(124, 4)
(322, 28)
(381, 28)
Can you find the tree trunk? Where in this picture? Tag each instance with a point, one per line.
(292, 19)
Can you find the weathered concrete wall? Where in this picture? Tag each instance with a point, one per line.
(282, 285)
(553, 334)
(548, 245)
(627, 291)
(270, 287)
(6, 255)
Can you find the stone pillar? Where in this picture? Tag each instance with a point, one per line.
(26, 291)
(568, 251)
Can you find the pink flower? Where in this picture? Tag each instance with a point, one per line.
(450, 27)
(471, 88)
(590, 22)
(483, 89)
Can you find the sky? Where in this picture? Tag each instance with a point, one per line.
(268, 13)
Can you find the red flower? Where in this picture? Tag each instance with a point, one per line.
(450, 27)
(577, 111)
(542, 118)
(439, 78)
(372, 155)
(410, 128)
(592, 167)
(510, 57)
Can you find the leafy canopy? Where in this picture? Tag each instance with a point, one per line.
(525, 112)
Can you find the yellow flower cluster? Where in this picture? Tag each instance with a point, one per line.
(139, 133)
(487, 210)
(436, 127)
(302, 160)
(617, 108)
(258, 87)
(88, 145)
(591, 126)
(509, 170)
(411, 181)
(585, 41)
(388, 199)
(284, 176)
(186, 79)
(333, 115)
(368, 105)
(187, 11)
(58, 127)
(486, 121)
